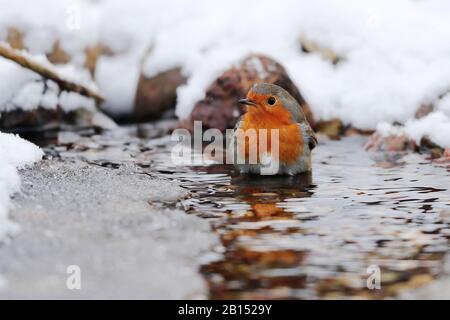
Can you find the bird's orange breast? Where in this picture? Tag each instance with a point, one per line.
(290, 136)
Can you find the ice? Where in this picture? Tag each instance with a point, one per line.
(113, 227)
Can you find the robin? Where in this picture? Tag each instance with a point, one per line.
(271, 107)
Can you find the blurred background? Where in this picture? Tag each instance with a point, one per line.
(368, 64)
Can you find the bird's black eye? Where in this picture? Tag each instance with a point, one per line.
(271, 101)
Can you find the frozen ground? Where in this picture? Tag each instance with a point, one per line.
(110, 223)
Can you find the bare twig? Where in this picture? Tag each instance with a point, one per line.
(46, 72)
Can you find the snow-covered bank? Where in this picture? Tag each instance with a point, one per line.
(394, 56)
(15, 153)
(27, 90)
(435, 126)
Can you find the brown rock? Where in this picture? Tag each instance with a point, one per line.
(219, 109)
(332, 128)
(36, 120)
(445, 157)
(424, 110)
(42, 119)
(351, 131)
(398, 143)
(157, 94)
(426, 143)
(435, 151)
(392, 143)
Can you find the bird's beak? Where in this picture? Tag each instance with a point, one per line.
(247, 102)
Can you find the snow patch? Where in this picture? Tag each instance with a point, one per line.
(15, 153)
(26, 90)
(435, 126)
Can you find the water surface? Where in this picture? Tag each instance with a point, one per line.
(309, 236)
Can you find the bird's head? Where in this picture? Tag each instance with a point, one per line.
(270, 99)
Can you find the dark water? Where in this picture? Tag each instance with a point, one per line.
(309, 236)
(315, 235)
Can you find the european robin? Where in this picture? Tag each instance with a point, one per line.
(271, 107)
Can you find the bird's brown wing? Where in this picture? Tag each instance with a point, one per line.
(312, 143)
(310, 136)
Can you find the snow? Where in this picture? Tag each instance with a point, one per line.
(118, 77)
(394, 54)
(15, 153)
(435, 126)
(393, 61)
(27, 91)
(17, 79)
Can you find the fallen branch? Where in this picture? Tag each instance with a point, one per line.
(47, 72)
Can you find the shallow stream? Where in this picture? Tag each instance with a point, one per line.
(315, 235)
